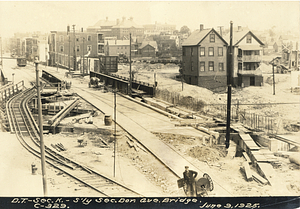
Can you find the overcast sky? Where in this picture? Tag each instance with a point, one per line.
(44, 16)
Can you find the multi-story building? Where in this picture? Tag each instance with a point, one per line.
(68, 48)
(117, 29)
(247, 53)
(158, 28)
(117, 47)
(104, 27)
(125, 27)
(30, 45)
(204, 59)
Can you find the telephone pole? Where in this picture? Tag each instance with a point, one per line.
(82, 52)
(130, 76)
(229, 85)
(42, 146)
(68, 31)
(75, 61)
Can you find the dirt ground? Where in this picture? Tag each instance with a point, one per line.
(223, 169)
(135, 163)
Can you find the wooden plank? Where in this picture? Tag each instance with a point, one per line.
(259, 179)
(247, 170)
(247, 157)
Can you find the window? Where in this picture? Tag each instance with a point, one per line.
(61, 38)
(212, 38)
(192, 51)
(183, 51)
(89, 38)
(210, 51)
(62, 48)
(89, 48)
(202, 66)
(100, 49)
(77, 38)
(192, 66)
(211, 66)
(240, 53)
(221, 66)
(220, 51)
(77, 48)
(256, 52)
(240, 66)
(249, 40)
(247, 53)
(202, 51)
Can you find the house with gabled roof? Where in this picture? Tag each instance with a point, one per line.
(148, 49)
(247, 53)
(204, 59)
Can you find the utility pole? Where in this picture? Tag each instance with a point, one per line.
(115, 129)
(68, 31)
(82, 52)
(75, 61)
(273, 79)
(42, 146)
(130, 76)
(229, 85)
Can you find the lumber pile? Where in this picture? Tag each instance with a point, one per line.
(251, 175)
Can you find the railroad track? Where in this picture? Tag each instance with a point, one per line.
(24, 126)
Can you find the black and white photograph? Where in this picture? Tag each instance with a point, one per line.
(149, 104)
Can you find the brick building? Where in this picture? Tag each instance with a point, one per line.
(158, 28)
(64, 47)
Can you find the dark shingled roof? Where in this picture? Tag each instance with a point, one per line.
(151, 43)
(239, 35)
(196, 37)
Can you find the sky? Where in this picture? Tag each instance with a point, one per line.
(46, 16)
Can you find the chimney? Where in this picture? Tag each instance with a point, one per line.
(239, 28)
(201, 27)
(123, 19)
(118, 21)
(131, 18)
(106, 19)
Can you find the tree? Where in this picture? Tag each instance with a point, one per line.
(184, 29)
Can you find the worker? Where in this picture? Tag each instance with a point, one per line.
(189, 181)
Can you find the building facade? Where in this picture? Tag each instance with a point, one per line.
(126, 27)
(204, 59)
(117, 47)
(148, 49)
(158, 28)
(67, 49)
(247, 53)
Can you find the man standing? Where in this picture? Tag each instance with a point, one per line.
(189, 180)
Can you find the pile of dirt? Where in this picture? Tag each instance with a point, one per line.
(204, 153)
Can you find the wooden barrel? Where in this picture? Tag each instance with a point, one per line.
(107, 120)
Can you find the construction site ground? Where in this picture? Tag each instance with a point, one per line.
(149, 176)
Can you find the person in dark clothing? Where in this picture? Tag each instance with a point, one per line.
(189, 180)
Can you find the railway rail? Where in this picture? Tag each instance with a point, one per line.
(24, 126)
